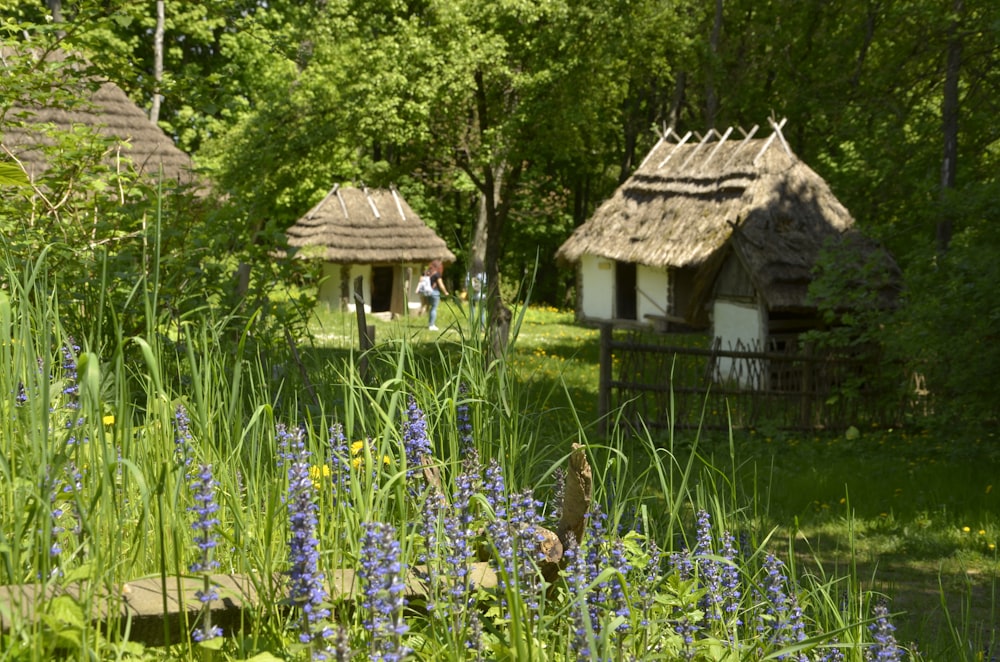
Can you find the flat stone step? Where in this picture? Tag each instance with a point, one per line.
(155, 613)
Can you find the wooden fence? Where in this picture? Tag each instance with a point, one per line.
(648, 380)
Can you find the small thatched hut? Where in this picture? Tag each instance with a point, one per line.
(103, 107)
(373, 234)
(717, 233)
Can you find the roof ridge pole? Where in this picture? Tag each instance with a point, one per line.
(343, 205)
(715, 149)
(697, 149)
(777, 132)
(747, 137)
(674, 151)
(322, 202)
(399, 206)
(781, 136)
(663, 138)
(371, 203)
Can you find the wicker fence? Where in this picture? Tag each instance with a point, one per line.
(649, 380)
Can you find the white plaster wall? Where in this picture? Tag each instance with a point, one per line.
(329, 286)
(745, 323)
(654, 292)
(413, 302)
(597, 278)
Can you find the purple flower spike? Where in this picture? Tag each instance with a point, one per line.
(381, 574)
(203, 491)
(306, 591)
(415, 440)
(884, 647)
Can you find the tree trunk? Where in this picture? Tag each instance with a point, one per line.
(949, 123)
(711, 93)
(154, 111)
(55, 6)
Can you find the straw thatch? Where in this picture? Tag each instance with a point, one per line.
(696, 202)
(107, 110)
(366, 226)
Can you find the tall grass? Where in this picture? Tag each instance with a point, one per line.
(101, 444)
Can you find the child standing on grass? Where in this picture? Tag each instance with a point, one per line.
(437, 289)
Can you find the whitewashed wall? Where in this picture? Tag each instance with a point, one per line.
(654, 292)
(330, 287)
(597, 280)
(744, 323)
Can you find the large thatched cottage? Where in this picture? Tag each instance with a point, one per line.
(131, 139)
(370, 233)
(719, 233)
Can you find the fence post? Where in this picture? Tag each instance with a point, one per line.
(366, 332)
(604, 381)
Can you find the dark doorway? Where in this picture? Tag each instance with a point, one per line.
(625, 290)
(381, 289)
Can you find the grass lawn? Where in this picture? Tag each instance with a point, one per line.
(907, 513)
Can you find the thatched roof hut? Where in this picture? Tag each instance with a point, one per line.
(693, 205)
(104, 107)
(361, 225)
(371, 233)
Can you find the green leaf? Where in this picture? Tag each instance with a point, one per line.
(12, 175)
(66, 611)
(215, 644)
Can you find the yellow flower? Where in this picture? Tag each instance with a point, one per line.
(966, 529)
(989, 488)
(316, 474)
(357, 449)
(109, 419)
(982, 532)
(992, 546)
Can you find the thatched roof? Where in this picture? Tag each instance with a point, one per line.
(111, 113)
(366, 226)
(690, 197)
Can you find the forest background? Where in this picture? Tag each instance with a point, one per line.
(504, 123)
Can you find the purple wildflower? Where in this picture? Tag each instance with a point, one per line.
(884, 647)
(381, 572)
(203, 492)
(464, 424)
(72, 389)
(183, 450)
(649, 581)
(340, 461)
(577, 581)
(415, 440)
(686, 629)
(783, 613)
(202, 485)
(306, 590)
(832, 653)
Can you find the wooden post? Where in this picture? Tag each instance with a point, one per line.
(604, 382)
(366, 332)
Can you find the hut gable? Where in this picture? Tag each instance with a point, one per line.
(365, 226)
(695, 201)
(105, 108)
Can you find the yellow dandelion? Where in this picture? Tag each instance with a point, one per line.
(317, 474)
(357, 447)
(982, 532)
(109, 419)
(843, 500)
(992, 546)
(966, 529)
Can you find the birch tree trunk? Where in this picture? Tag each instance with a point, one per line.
(154, 111)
